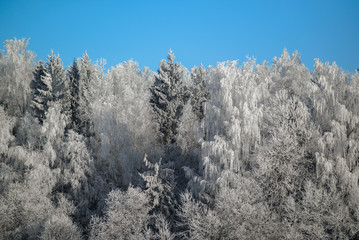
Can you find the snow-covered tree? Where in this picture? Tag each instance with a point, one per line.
(168, 98)
(8, 170)
(81, 75)
(187, 136)
(59, 84)
(49, 85)
(199, 93)
(16, 68)
(285, 160)
(41, 92)
(73, 76)
(160, 180)
(231, 124)
(69, 154)
(289, 73)
(125, 217)
(7, 124)
(26, 205)
(123, 119)
(197, 221)
(59, 227)
(243, 212)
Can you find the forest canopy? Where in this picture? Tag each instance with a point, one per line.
(251, 151)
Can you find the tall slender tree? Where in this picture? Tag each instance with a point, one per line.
(41, 92)
(87, 73)
(169, 96)
(60, 87)
(199, 93)
(73, 75)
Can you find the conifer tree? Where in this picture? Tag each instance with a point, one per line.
(74, 78)
(41, 92)
(160, 183)
(49, 85)
(86, 76)
(55, 69)
(169, 96)
(199, 93)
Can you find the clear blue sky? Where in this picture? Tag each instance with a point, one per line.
(197, 31)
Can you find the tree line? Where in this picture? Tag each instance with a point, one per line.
(266, 151)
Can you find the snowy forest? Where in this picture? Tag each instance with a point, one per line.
(251, 151)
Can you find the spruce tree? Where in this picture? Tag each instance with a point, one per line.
(86, 76)
(41, 92)
(74, 78)
(49, 85)
(169, 96)
(59, 84)
(80, 75)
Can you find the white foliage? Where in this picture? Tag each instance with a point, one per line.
(6, 136)
(125, 217)
(187, 137)
(231, 125)
(198, 220)
(15, 76)
(59, 227)
(123, 120)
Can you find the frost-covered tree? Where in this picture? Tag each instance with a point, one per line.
(123, 119)
(6, 137)
(336, 110)
(243, 212)
(125, 217)
(28, 204)
(199, 93)
(187, 136)
(60, 88)
(189, 123)
(16, 68)
(81, 75)
(162, 228)
(231, 124)
(49, 85)
(61, 227)
(288, 72)
(69, 154)
(41, 92)
(285, 161)
(8, 171)
(168, 98)
(73, 76)
(160, 182)
(197, 221)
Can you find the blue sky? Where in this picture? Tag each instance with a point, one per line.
(197, 31)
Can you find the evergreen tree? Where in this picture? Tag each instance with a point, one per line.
(80, 76)
(169, 96)
(74, 78)
(87, 74)
(56, 72)
(41, 92)
(199, 93)
(49, 85)
(160, 183)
